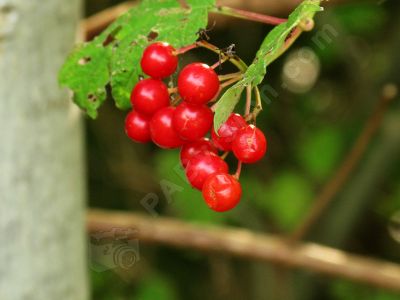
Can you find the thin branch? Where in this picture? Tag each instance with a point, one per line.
(219, 62)
(234, 59)
(333, 186)
(247, 244)
(247, 15)
(95, 24)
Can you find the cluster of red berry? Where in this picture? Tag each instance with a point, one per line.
(153, 118)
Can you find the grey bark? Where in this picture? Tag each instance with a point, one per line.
(42, 234)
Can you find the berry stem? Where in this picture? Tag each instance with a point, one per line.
(173, 90)
(224, 85)
(247, 15)
(186, 49)
(219, 62)
(229, 76)
(175, 100)
(235, 60)
(248, 101)
(238, 170)
(230, 81)
(258, 108)
(223, 156)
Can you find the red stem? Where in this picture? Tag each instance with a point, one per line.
(238, 170)
(248, 15)
(186, 49)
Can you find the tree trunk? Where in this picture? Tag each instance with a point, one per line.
(42, 185)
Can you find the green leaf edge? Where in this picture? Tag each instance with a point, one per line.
(265, 56)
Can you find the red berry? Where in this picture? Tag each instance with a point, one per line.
(203, 165)
(149, 95)
(192, 149)
(191, 121)
(221, 192)
(161, 130)
(137, 127)
(159, 60)
(227, 132)
(198, 83)
(249, 144)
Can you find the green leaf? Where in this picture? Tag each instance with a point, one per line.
(114, 56)
(274, 44)
(86, 73)
(271, 48)
(226, 105)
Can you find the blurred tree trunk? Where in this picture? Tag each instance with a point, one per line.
(42, 236)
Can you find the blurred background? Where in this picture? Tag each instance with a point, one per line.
(317, 98)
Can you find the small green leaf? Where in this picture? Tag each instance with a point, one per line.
(114, 56)
(226, 105)
(271, 48)
(273, 45)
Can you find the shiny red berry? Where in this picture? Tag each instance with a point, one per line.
(192, 149)
(159, 60)
(249, 145)
(161, 130)
(227, 132)
(221, 192)
(198, 83)
(137, 127)
(149, 95)
(203, 165)
(192, 121)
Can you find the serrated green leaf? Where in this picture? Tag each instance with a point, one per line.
(114, 56)
(226, 104)
(86, 73)
(271, 48)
